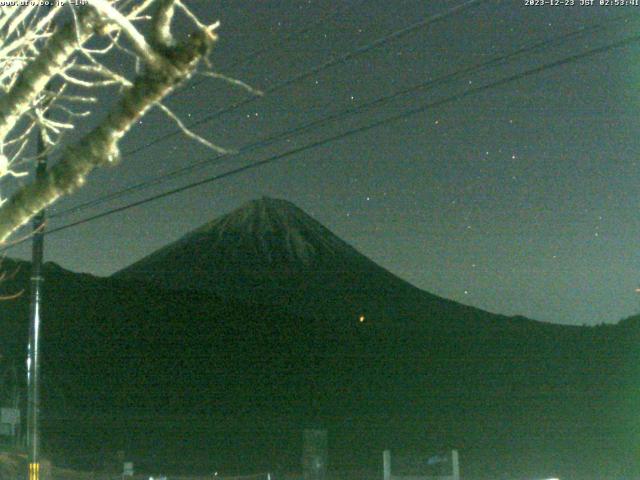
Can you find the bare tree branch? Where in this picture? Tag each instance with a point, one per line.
(100, 146)
(35, 54)
(35, 76)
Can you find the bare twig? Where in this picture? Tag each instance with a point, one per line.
(190, 133)
(233, 81)
(34, 56)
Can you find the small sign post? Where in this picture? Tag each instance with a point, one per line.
(127, 470)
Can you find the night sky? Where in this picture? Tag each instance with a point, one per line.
(523, 199)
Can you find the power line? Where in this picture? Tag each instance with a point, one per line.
(395, 35)
(370, 126)
(339, 10)
(494, 62)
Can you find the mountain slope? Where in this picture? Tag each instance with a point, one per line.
(188, 381)
(225, 376)
(271, 252)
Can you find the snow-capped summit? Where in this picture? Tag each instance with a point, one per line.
(263, 233)
(270, 251)
(280, 233)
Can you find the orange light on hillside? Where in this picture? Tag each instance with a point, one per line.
(361, 318)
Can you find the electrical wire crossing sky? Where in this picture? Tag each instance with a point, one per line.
(485, 151)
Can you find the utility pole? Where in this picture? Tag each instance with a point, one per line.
(33, 354)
